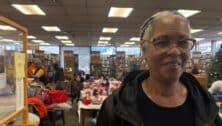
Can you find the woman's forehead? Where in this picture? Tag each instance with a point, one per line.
(170, 25)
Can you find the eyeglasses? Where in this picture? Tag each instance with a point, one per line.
(185, 43)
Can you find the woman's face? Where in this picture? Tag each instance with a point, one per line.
(169, 63)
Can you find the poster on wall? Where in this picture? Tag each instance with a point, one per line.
(19, 65)
(7, 86)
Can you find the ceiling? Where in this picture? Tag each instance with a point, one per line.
(83, 20)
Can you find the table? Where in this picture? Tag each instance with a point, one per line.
(82, 108)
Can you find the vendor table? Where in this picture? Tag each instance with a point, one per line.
(82, 108)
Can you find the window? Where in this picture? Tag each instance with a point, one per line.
(105, 50)
(130, 50)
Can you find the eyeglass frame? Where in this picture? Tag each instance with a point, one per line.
(172, 41)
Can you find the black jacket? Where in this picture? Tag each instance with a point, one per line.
(120, 109)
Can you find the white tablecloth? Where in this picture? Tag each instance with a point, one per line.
(88, 107)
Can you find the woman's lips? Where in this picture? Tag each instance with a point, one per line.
(174, 64)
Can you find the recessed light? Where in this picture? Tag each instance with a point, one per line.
(61, 37)
(66, 41)
(38, 41)
(219, 33)
(29, 9)
(120, 12)
(129, 43)
(196, 30)
(7, 27)
(103, 42)
(104, 38)
(199, 39)
(31, 37)
(70, 44)
(188, 13)
(51, 28)
(7, 40)
(109, 30)
(135, 39)
(44, 43)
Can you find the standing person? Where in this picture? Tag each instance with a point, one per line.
(76, 87)
(59, 73)
(165, 95)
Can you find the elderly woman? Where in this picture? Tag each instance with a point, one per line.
(165, 95)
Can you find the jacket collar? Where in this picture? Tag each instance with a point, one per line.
(204, 105)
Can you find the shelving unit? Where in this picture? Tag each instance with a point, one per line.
(76, 63)
(120, 64)
(132, 63)
(69, 64)
(95, 63)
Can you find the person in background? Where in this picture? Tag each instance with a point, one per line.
(31, 68)
(164, 95)
(59, 73)
(76, 87)
(40, 72)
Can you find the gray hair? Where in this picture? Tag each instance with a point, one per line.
(148, 23)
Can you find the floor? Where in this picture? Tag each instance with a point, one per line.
(71, 118)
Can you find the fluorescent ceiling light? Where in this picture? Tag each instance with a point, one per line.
(196, 30)
(135, 39)
(199, 39)
(119, 12)
(38, 41)
(6, 27)
(70, 44)
(188, 13)
(29, 9)
(129, 43)
(123, 45)
(44, 43)
(66, 41)
(103, 42)
(61, 37)
(51, 28)
(219, 33)
(7, 40)
(104, 38)
(31, 37)
(110, 30)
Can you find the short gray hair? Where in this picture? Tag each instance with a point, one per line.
(147, 24)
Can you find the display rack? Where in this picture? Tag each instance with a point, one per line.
(132, 63)
(120, 64)
(69, 64)
(19, 66)
(39, 54)
(76, 63)
(49, 61)
(106, 66)
(95, 63)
